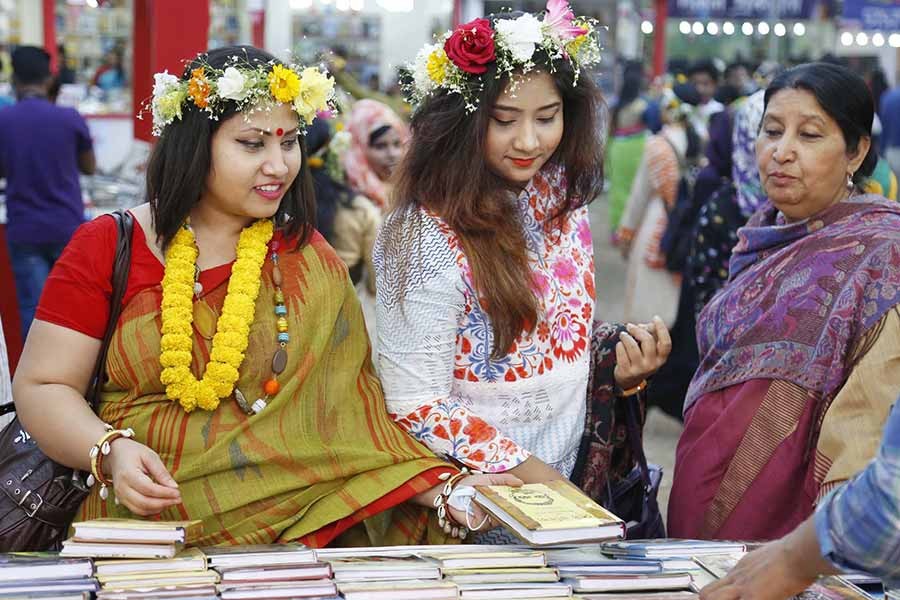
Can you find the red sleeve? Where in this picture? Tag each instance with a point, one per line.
(76, 294)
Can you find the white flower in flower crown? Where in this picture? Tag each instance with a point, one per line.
(232, 85)
(520, 36)
(423, 83)
(163, 84)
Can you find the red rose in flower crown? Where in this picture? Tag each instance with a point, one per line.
(471, 46)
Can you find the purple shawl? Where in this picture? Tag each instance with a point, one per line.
(799, 296)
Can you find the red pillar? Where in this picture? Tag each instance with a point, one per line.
(166, 34)
(258, 28)
(9, 307)
(48, 8)
(659, 38)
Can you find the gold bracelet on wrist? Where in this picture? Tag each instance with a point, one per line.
(98, 451)
(634, 390)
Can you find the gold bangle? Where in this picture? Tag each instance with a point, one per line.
(632, 391)
(98, 451)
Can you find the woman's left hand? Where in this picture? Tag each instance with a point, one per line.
(641, 351)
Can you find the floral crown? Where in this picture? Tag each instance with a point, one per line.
(252, 86)
(459, 58)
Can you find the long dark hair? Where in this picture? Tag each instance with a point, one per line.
(444, 171)
(846, 98)
(181, 159)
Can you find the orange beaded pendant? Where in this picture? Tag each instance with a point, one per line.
(271, 387)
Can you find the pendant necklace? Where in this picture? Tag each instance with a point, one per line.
(282, 337)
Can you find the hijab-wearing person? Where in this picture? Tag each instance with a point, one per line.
(379, 140)
(800, 351)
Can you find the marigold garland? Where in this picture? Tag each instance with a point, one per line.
(232, 328)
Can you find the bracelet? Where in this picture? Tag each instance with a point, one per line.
(632, 391)
(440, 502)
(98, 451)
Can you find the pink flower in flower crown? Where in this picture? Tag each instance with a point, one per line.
(559, 21)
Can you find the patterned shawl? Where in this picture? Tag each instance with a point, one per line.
(744, 171)
(366, 117)
(800, 296)
(322, 457)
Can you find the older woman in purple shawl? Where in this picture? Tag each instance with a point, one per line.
(800, 351)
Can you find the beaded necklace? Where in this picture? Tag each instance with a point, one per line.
(279, 359)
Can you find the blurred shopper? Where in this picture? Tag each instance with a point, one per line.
(378, 142)
(801, 349)
(650, 289)
(43, 148)
(890, 127)
(347, 219)
(628, 133)
(485, 267)
(737, 75)
(65, 74)
(705, 76)
(855, 528)
(111, 74)
(727, 208)
(671, 383)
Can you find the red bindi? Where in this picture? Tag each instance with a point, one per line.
(279, 132)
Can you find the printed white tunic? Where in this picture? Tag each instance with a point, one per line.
(435, 340)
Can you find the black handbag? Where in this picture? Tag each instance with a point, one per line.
(39, 496)
(634, 497)
(611, 467)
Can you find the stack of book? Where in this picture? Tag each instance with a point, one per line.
(130, 538)
(183, 576)
(46, 575)
(270, 571)
(501, 573)
(588, 570)
(679, 556)
(378, 576)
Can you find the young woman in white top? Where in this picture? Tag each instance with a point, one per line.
(484, 268)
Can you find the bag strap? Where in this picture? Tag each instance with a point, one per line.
(121, 270)
(636, 439)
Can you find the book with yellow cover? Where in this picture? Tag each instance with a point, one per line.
(188, 560)
(170, 578)
(549, 513)
(137, 531)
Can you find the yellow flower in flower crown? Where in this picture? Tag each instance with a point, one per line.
(575, 45)
(316, 89)
(284, 84)
(437, 66)
(169, 105)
